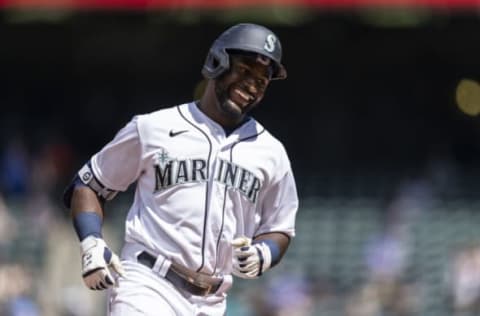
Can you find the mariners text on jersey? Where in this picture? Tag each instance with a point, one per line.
(170, 172)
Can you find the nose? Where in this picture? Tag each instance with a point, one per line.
(251, 86)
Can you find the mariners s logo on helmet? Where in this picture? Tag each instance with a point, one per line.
(270, 43)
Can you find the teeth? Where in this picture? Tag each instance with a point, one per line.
(244, 95)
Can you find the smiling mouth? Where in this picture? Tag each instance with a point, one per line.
(241, 97)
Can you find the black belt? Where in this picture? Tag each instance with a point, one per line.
(193, 282)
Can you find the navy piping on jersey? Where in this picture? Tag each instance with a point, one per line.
(206, 185)
(225, 191)
(221, 227)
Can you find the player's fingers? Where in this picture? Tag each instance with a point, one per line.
(108, 281)
(242, 249)
(245, 273)
(101, 286)
(244, 252)
(237, 261)
(241, 241)
(92, 280)
(103, 279)
(117, 265)
(247, 266)
(108, 278)
(248, 261)
(252, 274)
(100, 280)
(245, 262)
(238, 274)
(89, 283)
(106, 284)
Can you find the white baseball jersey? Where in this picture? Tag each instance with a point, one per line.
(197, 189)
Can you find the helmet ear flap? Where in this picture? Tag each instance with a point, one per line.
(217, 62)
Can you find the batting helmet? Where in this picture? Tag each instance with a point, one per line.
(244, 37)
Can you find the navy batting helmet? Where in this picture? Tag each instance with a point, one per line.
(244, 37)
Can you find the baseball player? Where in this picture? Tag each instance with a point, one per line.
(215, 194)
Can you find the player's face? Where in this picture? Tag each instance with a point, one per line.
(243, 86)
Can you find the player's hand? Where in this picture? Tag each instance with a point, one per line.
(97, 259)
(250, 260)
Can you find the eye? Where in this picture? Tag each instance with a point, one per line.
(242, 69)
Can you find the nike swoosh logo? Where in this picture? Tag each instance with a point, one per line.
(173, 134)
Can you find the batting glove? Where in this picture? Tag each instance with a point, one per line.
(250, 260)
(97, 258)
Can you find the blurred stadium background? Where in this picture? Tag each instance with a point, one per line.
(384, 144)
